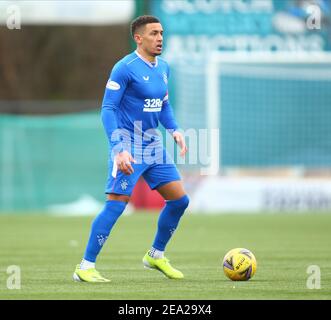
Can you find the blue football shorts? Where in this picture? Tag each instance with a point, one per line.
(155, 175)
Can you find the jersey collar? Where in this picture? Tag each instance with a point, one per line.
(146, 61)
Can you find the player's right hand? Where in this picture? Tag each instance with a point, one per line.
(123, 161)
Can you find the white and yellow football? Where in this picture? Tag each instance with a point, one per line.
(239, 264)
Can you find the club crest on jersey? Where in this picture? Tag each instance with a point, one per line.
(112, 85)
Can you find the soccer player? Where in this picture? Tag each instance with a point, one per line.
(135, 101)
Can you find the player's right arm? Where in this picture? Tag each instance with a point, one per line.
(115, 89)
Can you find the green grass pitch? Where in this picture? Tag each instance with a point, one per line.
(47, 248)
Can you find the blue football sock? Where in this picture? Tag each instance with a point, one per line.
(168, 221)
(101, 227)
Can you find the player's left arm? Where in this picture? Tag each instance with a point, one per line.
(168, 121)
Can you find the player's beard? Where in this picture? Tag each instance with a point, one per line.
(152, 53)
(157, 53)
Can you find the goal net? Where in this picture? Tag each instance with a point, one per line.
(273, 110)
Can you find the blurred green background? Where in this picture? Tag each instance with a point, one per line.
(54, 68)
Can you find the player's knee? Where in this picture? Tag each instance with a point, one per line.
(186, 201)
(181, 203)
(118, 197)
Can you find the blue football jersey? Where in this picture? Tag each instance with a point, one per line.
(136, 98)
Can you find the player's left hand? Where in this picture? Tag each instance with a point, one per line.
(181, 142)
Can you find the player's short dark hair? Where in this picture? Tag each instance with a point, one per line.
(142, 21)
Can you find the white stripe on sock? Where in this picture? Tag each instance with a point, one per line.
(84, 265)
(156, 254)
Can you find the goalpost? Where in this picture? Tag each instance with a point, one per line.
(272, 109)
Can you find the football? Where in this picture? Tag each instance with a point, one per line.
(239, 264)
